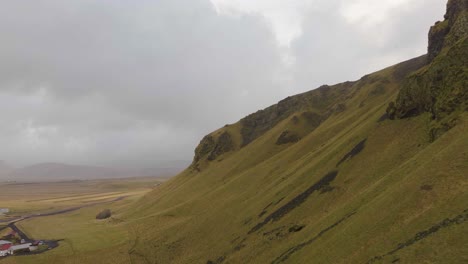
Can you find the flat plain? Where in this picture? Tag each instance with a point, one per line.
(77, 230)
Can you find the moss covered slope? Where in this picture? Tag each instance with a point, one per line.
(327, 177)
(440, 88)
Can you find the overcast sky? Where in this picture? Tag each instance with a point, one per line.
(136, 82)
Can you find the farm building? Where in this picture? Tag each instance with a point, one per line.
(20, 247)
(4, 211)
(5, 247)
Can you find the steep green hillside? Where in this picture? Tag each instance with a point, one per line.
(372, 171)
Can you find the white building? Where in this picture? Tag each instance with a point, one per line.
(18, 247)
(5, 247)
(4, 211)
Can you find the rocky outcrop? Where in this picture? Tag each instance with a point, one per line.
(211, 148)
(454, 8)
(207, 144)
(437, 35)
(104, 214)
(223, 145)
(325, 100)
(287, 137)
(321, 99)
(300, 126)
(451, 30)
(441, 88)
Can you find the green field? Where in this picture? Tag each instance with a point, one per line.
(80, 232)
(29, 198)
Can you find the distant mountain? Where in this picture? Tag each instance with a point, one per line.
(64, 172)
(5, 168)
(59, 171)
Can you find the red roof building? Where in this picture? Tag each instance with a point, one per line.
(5, 247)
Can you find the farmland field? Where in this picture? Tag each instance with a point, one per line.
(32, 198)
(78, 230)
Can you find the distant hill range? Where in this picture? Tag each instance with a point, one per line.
(65, 172)
(5, 168)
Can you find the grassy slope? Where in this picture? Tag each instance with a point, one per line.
(399, 185)
(399, 197)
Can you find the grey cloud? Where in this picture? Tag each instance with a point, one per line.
(103, 82)
(333, 50)
(130, 78)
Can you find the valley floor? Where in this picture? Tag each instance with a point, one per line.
(62, 216)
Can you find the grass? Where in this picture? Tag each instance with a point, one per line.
(206, 215)
(82, 235)
(400, 198)
(398, 185)
(31, 198)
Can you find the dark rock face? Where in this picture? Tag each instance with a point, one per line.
(441, 87)
(224, 144)
(339, 108)
(287, 137)
(104, 214)
(455, 23)
(454, 8)
(437, 35)
(447, 222)
(212, 149)
(316, 106)
(207, 144)
(285, 255)
(296, 228)
(356, 150)
(312, 119)
(302, 124)
(322, 184)
(255, 125)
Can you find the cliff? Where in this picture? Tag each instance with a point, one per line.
(440, 88)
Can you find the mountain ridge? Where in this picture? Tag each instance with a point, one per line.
(54, 171)
(358, 172)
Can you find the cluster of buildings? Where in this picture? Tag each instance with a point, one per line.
(14, 243)
(8, 248)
